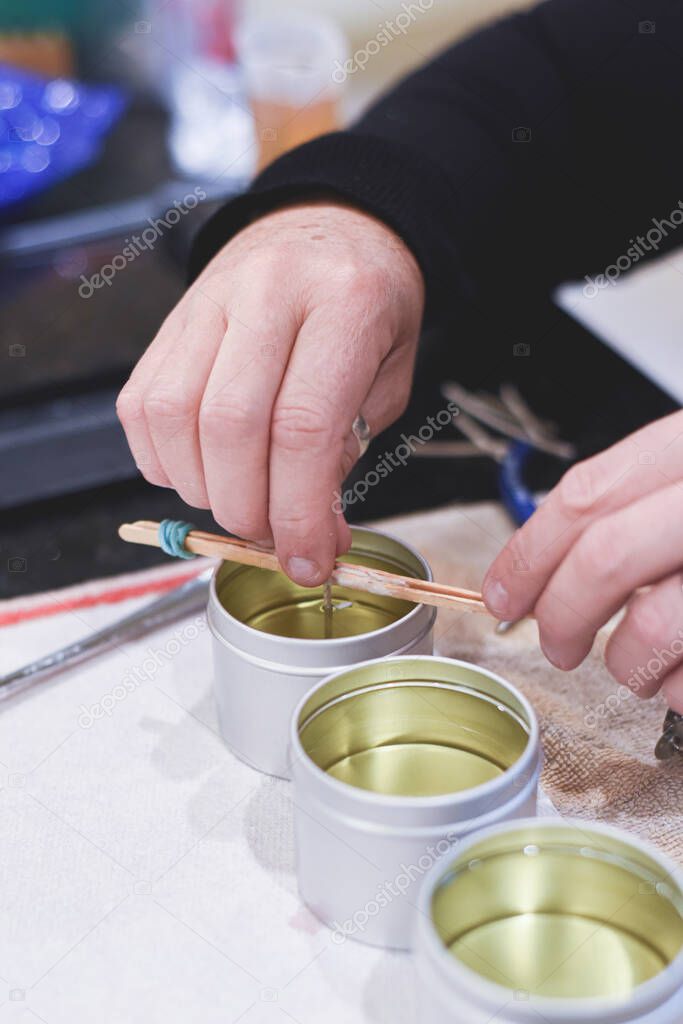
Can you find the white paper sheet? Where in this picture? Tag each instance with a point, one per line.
(640, 316)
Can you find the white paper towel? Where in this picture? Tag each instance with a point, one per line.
(147, 874)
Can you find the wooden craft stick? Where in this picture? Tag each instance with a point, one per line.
(356, 577)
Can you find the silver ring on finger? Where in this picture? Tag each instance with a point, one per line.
(362, 433)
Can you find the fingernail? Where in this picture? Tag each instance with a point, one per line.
(496, 596)
(303, 570)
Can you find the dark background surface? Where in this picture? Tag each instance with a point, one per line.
(73, 346)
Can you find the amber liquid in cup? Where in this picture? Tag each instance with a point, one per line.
(283, 126)
(289, 63)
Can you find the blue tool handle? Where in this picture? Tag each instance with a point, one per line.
(515, 495)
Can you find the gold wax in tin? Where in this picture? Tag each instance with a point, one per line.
(560, 919)
(413, 737)
(271, 602)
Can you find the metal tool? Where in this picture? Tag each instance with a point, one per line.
(522, 434)
(189, 597)
(509, 415)
(671, 740)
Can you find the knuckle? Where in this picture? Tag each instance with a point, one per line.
(299, 427)
(292, 517)
(599, 553)
(247, 527)
(193, 493)
(579, 490)
(354, 279)
(260, 273)
(348, 268)
(372, 280)
(225, 417)
(294, 521)
(369, 284)
(518, 559)
(129, 407)
(268, 260)
(151, 469)
(156, 479)
(162, 405)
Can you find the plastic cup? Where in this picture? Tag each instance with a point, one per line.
(291, 67)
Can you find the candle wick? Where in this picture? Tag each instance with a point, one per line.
(328, 608)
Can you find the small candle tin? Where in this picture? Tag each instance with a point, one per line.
(549, 920)
(393, 761)
(269, 645)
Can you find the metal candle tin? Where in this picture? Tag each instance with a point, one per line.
(392, 761)
(551, 920)
(260, 674)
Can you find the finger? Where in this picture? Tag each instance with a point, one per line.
(328, 379)
(648, 642)
(614, 557)
(173, 396)
(389, 395)
(236, 410)
(648, 460)
(351, 454)
(130, 402)
(384, 404)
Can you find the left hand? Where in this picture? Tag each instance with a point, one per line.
(612, 526)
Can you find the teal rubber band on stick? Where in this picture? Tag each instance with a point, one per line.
(172, 534)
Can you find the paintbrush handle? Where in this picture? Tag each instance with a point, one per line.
(190, 597)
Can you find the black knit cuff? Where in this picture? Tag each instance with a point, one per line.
(385, 178)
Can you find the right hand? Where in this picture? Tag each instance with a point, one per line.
(245, 399)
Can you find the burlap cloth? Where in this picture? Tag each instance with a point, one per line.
(599, 761)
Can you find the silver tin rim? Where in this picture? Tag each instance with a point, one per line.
(293, 652)
(448, 808)
(314, 670)
(644, 998)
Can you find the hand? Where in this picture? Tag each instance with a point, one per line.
(613, 525)
(245, 400)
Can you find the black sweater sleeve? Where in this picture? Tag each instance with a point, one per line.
(537, 149)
